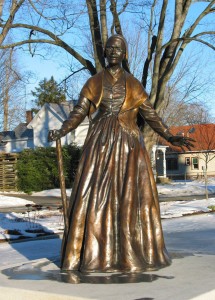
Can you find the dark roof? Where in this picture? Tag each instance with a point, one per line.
(7, 135)
(203, 134)
(21, 131)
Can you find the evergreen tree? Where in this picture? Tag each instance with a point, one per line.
(48, 92)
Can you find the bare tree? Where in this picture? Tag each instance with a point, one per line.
(186, 96)
(11, 84)
(166, 40)
(167, 54)
(180, 113)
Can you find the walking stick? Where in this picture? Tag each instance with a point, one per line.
(62, 184)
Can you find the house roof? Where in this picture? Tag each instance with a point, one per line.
(62, 109)
(203, 134)
(20, 132)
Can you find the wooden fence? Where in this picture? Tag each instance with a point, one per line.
(8, 172)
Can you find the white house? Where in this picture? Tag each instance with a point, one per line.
(17, 140)
(34, 132)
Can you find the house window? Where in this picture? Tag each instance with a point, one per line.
(187, 161)
(195, 163)
(172, 164)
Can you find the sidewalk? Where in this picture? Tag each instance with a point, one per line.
(30, 270)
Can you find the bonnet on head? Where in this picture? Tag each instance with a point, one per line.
(120, 37)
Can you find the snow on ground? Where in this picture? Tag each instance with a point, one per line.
(37, 221)
(51, 193)
(30, 224)
(185, 188)
(174, 209)
(8, 201)
(179, 188)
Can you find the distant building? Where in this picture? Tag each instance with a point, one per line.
(190, 164)
(34, 132)
(17, 140)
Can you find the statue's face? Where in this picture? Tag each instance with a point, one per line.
(115, 51)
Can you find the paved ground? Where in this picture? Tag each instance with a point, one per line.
(33, 271)
(56, 201)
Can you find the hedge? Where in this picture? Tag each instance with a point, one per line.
(37, 169)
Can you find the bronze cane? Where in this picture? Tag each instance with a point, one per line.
(62, 184)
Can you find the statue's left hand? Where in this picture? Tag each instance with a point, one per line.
(181, 141)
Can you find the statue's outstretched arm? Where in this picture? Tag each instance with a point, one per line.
(156, 123)
(76, 116)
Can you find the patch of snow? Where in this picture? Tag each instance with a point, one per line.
(184, 188)
(52, 193)
(30, 224)
(8, 201)
(191, 223)
(175, 209)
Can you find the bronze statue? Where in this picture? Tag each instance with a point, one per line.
(114, 216)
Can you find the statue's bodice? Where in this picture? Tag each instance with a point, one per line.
(113, 93)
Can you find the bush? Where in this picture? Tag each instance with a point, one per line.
(71, 157)
(37, 169)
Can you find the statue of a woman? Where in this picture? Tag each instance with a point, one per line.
(114, 216)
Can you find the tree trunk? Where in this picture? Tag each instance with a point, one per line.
(103, 20)
(6, 89)
(206, 185)
(96, 35)
(1, 7)
(206, 181)
(6, 109)
(6, 96)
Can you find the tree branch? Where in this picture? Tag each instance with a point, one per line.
(206, 11)
(6, 28)
(1, 8)
(38, 12)
(103, 20)
(181, 10)
(123, 8)
(73, 73)
(194, 38)
(58, 42)
(116, 22)
(158, 53)
(148, 60)
(171, 56)
(151, 46)
(96, 34)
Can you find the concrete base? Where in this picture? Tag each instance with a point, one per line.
(189, 277)
(20, 294)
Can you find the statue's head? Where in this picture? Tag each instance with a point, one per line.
(116, 49)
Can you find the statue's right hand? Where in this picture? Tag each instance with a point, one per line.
(54, 135)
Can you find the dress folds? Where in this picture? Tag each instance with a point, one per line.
(114, 215)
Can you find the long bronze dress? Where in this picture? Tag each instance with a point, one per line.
(114, 211)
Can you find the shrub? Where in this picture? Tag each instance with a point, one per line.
(37, 169)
